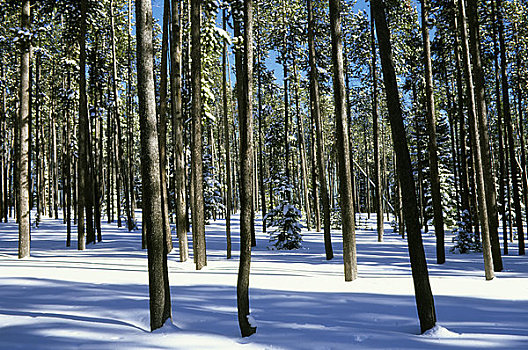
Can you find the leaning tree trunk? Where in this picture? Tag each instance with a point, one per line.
(245, 94)
(343, 151)
(431, 131)
(196, 149)
(160, 307)
(422, 288)
(316, 115)
(23, 134)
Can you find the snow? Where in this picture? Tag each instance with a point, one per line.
(61, 298)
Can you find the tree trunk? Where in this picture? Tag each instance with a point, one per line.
(160, 307)
(177, 131)
(83, 133)
(509, 134)
(431, 131)
(475, 143)
(245, 93)
(487, 164)
(377, 171)
(521, 122)
(423, 294)
(130, 122)
(316, 116)
(226, 141)
(162, 125)
(196, 151)
(23, 134)
(464, 171)
(302, 150)
(343, 151)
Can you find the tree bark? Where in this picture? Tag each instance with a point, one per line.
(423, 294)
(487, 164)
(23, 134)
(316, 116)
(245, 93)
(431, 131)
(475, 143)
(509, 134)
(377, 171)
(226, 141)
(162, 125)
(177, 131)
(343, 151)
(196, 150)
(159, 291)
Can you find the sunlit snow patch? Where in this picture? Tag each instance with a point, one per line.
(440, 332)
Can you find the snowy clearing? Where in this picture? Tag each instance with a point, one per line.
(61, 298)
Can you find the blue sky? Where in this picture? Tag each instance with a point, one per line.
(157, 11)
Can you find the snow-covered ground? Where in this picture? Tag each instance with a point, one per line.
(61, 298)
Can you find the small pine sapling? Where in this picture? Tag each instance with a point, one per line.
(464, 240)
(285, 217)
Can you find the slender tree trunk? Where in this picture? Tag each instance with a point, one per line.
(316, 116)
(177, 131)
(464, 172)
(197, 179)
(23, 134)
(343, 151)
(422, 288)
(302, 150)
(227, 139)
(130, 122)
(475, 142)
(487, 164)
(431, 144)
(377, 171)
(516, 190)
(260, 132)
(521, 122)
(160, 307)
(67, 166)
(162, 125)
(315, 184)
(83, 133)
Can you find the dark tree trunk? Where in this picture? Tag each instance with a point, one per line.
(487, 164)
(160, 307)
(198, 220)
(130, 122)
(226, 142)
(316, 116)
(514, 171)
(377, 171)
(422, 288)
(162, 125)
(261, 146)
(464, 172)
(177, 131)
(476, 149)
(431, 131)
(245, 94)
